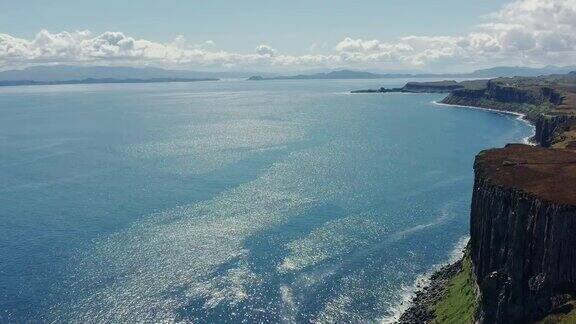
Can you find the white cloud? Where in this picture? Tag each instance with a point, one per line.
(265, 50)
(358, 45)
(522, 32)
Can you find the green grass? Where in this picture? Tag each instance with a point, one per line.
(459, 302)
(531, 111)
(568, 318)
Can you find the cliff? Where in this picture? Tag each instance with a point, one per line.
(523, 225)
(503, 91)
(501, 95)
(523, 214)
(434, 87)
(548, 102)
(556, 130)
(419, 87)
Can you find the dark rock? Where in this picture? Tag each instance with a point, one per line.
(523, 221)
(420, 310)
(549, 127)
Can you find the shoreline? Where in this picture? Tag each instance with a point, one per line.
(521, 117)
(507, 182)
(413, 296)
(423, 282)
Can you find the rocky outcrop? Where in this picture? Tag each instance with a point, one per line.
(500, 91)
(548, 108)
(500, 95)
(422, 308)
(419, 87)
(550, 127)
(433, 87)
(523, 225)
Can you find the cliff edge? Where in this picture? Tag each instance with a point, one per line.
(523, 232)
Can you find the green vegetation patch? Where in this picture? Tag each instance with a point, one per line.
(560, 318)
(459, 302)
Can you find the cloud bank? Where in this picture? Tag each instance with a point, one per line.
(524, 32)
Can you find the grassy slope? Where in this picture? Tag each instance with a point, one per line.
(567, 318)
(459, 302)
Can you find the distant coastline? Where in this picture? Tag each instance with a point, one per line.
(501, 71)
(100, 81)
(445, 86)
(70, 74)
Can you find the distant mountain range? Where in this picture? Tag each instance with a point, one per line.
(96, 81)
(511, 71)
(341, 74)
(66, 74)
(502, 71)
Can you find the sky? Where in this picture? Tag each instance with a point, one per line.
(383, 35)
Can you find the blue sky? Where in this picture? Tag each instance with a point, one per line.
(291, 26)
(421, 35)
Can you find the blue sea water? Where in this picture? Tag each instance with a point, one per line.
(230, 201)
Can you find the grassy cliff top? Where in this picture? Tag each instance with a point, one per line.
(564, 84)
(548, 174)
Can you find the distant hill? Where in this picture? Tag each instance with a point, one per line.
(68, 72)
(96, 81)
(511, 71)
(502, 71)
(340, 74)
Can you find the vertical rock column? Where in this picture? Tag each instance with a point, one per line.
(523, 231)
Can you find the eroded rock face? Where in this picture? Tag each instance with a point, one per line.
(432, 87)
(551, 110)
(549, 128)
(498, 91)
(523, 231)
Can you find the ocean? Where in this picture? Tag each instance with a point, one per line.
(231, 201)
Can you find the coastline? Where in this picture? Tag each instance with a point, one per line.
(521, 117)
(416, 298)
(423, 282)
(512, 185)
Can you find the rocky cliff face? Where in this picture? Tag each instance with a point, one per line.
(550, 127)
(419, 87)
(523, 225)
(500, 92)
(432, 87)
(549, 109)
(533, 102)
(522, 248)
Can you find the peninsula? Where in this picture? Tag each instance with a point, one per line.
(428, 87)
